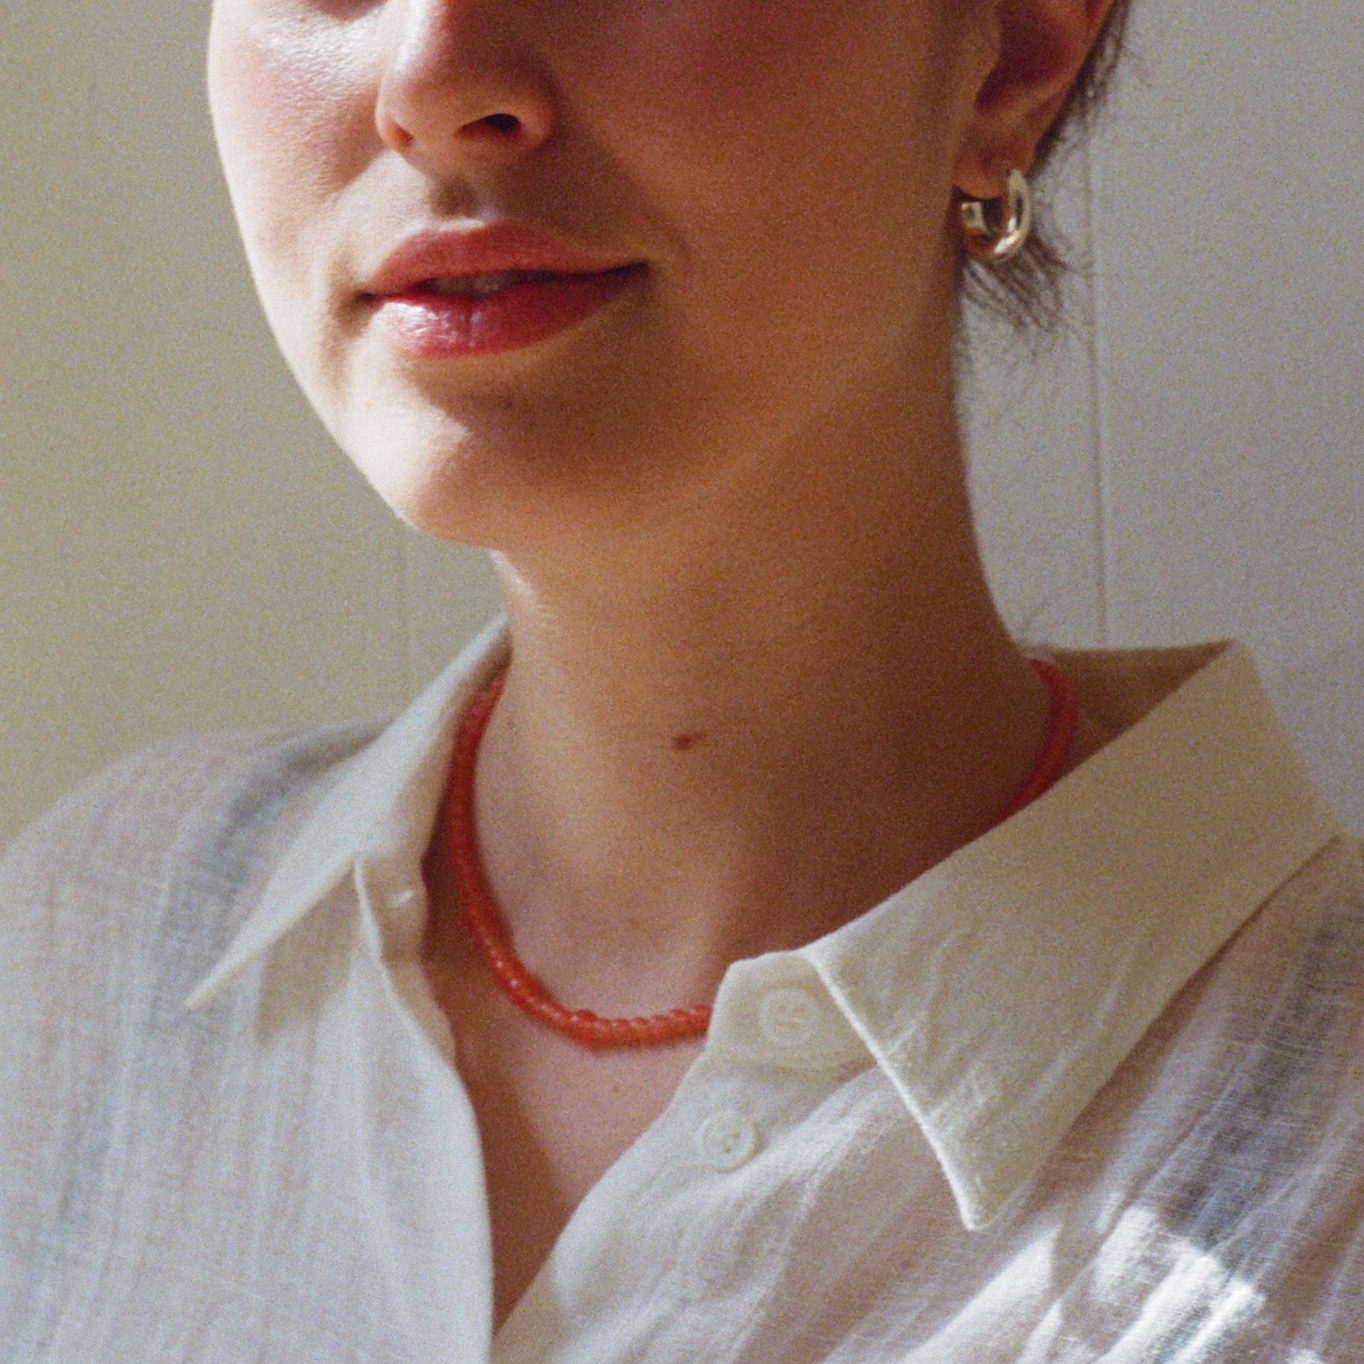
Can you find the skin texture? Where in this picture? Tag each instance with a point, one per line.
(669, 133)
(758, 679)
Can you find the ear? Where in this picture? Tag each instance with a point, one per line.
(1038, 48)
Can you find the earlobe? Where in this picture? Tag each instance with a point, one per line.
(1041, 46)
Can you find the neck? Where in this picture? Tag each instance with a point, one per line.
(737, 730)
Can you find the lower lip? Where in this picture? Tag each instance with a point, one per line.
(429, 326)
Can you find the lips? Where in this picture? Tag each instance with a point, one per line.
(457, 295)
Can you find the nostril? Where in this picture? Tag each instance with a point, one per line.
(504, 125)
(428, 119)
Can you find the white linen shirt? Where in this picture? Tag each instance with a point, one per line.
(1090, 1089)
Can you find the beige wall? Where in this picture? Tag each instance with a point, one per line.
(180, 545)
(180, 548)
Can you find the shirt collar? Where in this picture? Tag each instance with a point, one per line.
(1000, 990)
(375, 819)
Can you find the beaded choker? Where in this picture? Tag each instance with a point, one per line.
(483, 922)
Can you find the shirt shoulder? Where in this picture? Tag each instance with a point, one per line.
(209, 807)
(1223, 1167)
(111, 904)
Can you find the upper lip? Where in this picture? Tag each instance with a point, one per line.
(486, 249)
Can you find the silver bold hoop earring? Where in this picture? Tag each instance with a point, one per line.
(994, 231)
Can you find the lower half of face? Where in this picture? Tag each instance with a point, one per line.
(772, 180)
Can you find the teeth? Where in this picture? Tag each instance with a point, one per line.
(484, 286)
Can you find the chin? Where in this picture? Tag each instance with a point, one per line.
(480, 484)
(451, 491)
(508, 465)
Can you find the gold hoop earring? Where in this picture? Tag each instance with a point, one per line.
(994, 230)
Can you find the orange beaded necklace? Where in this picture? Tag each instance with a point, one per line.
(582, 1025)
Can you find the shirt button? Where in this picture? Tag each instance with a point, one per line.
(727, 1139)
(789, 1017)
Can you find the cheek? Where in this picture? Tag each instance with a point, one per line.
(759, 87)
(683, 78)
(802, 148)
(287, 92)
(696, 64)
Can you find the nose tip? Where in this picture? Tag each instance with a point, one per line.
(453, 93)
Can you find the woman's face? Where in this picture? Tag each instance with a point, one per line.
(735, 214)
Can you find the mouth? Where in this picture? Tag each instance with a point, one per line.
(465, 316)
(465, 291)
(483, 286)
